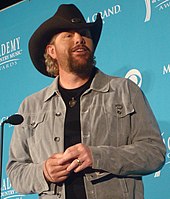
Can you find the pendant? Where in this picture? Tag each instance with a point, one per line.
(72, 102)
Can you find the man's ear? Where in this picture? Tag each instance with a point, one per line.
(50, 49)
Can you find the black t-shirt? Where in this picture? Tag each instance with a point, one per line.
(72, 135)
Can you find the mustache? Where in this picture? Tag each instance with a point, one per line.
(80, 46)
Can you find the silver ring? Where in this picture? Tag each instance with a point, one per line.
(78, 161)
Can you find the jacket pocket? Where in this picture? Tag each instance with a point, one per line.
(119, 123)
(35, 120)
(123, 115)
(37, 133)
(122, 110)
(35, 125)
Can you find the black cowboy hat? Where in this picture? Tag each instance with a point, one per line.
(67, 17)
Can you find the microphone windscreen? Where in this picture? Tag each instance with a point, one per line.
(15, 119)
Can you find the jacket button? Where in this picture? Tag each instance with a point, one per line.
(59, 195)
(57, 139)
(32, 123)
(58, 114)
(119, 112)
(119, 108)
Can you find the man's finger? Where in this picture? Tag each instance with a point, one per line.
(69, 155)
(75, 164)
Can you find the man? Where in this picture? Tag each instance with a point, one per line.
(88, 135)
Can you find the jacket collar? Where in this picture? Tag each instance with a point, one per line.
(99, 83)
(52, 90)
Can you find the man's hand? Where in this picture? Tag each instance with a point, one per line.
(53, 171)
(80, 157)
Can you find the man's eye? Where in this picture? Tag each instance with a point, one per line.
(68, 35)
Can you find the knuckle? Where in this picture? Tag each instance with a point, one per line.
(68, 150)
(88, 160)
(54, 176)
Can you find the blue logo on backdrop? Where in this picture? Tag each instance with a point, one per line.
(10, 52)
(158, 4)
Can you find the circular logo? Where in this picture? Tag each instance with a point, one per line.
(135, 76)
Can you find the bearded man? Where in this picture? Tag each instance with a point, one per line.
(88, 135)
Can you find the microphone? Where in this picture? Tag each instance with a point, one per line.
(15, 119)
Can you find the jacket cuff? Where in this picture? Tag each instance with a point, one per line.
(97, 157)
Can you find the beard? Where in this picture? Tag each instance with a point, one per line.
(82, 65)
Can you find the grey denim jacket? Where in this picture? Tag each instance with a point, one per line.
(116, 123)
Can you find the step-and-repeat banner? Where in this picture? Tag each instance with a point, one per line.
(135, 44)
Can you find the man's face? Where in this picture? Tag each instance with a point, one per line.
(73, 51)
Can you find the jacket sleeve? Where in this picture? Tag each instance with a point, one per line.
(25, 176)
(145, 153)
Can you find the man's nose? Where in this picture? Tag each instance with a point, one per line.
(79, 39)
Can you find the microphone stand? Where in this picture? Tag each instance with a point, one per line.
(1, 149)
(14, 120)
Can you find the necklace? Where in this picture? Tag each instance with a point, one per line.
(72, 96)
(74, 99)
(72, 102)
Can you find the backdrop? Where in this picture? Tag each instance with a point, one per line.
(135, 43)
